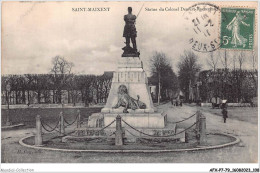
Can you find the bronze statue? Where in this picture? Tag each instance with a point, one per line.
(126, 101)
(130, 33)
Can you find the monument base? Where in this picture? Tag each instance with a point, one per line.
(129, 134)
(149, 126)
(131, 74)
(137, 120)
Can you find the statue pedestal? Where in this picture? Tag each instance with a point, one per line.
(138, 120)
(134, 118)
(131, 74)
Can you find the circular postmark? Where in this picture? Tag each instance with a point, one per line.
(202, 24)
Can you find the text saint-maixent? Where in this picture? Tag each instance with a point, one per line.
(91, 9)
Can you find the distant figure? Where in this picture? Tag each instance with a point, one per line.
(172, 101)
(224, 112)
(130, 30)
(181, 102)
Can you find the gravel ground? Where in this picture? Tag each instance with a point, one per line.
(245, 152)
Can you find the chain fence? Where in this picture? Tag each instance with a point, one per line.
(69, 124)
(98, 130)
(160, 136)
(50, 129)
(43, 124)
(184, 119)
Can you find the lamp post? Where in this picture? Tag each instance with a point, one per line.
(8, 89)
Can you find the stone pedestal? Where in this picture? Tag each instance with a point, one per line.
(140, 120)
(131, 74)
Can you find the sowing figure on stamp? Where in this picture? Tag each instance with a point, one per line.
(130, 32)
(234, 26)
(126, 101)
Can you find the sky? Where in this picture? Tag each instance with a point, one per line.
(35, 32)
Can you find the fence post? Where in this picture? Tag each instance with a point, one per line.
(186, 137)
(202, 130)
(38, 136)
(198, 114)
(8, 122)
(119, 132)
(78, 119)
(62, 128)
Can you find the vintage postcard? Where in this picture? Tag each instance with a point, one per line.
(129, 82)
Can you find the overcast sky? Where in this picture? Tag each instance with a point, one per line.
(34, 33)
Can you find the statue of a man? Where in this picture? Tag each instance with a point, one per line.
(130, 30)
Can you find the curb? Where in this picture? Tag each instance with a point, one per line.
(237, 140)
(12, 126)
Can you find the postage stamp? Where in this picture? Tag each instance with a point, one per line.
(237, 28)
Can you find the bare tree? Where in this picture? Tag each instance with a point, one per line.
(4, 83)
(188, 68)
(29, 81)
(107, 86)
(254, 62)
(241, 59)
(72, 88)
(213, 61)
(40, 85)
(234, 61)
(224, 60)
(158, 63)
(61, 68)
(61, 65)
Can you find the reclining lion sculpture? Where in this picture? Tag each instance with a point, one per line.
(126, 101)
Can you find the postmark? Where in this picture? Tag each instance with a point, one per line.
(203, 21)
(237, 28)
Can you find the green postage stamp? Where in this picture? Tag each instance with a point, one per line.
(237, 28)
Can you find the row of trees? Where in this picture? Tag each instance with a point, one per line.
(234, 84)
(62, 86)
(227, 77)
(57, 87)
(45, 88)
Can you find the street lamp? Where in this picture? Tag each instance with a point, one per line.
(8, 89)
